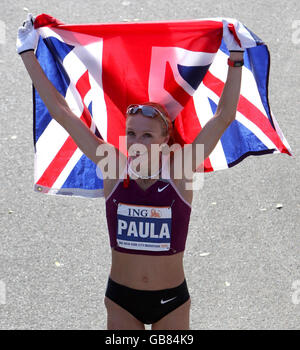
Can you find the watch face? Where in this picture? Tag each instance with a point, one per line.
(238, 64)
(235, 63)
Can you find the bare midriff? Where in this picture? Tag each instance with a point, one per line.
(147, 272)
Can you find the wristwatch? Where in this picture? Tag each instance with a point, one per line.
(235, 63)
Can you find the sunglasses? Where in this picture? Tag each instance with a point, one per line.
(147, 111)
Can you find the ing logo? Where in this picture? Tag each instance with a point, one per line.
(155, 213)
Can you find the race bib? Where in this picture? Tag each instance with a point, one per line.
(144, 227)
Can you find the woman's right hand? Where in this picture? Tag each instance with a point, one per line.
(28, 37)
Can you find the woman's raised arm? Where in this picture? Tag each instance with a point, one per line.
(57, 106)
(225, 114)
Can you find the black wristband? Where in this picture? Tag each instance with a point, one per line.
(26, 51)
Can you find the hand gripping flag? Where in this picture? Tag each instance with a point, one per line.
(102, 68)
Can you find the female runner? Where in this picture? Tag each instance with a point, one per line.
(148, 211)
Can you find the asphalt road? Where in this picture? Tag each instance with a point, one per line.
(54, 251)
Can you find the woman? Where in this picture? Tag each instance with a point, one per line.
(147, 211)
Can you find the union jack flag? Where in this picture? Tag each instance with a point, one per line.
(102, 68)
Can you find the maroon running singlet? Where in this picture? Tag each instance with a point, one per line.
(151, 222)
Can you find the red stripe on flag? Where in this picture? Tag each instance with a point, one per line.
(86, 117)
(187, 123)
(195, 35)
(207, 165)
(62, 157)
(249, 110)
(173, 88)
(187, 128)
(83, 84)
(233, 32)
(58, 163)
(126, 60)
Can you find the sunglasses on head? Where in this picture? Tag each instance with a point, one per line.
(147, 111)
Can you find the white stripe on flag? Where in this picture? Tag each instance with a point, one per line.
(173, 55)
(54, 135)
(187, 58)
(89, 52)
(280, 133)
(247, 123)
(243, 33)
(95, 75)
(204, 114)
(249, 89)
(255, 130)
(67, 169)
(84, 59)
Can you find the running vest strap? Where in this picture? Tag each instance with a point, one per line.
(150, 222)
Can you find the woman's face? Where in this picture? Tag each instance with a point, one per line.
(144, 130)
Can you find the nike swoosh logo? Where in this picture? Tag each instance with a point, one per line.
(167, 301)
(161, 189)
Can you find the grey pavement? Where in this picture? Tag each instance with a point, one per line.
(54, 251)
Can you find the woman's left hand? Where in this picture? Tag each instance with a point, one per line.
(28, 37)
(230, 35)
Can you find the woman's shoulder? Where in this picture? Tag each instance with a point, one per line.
(116, 172)
(180, 182)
